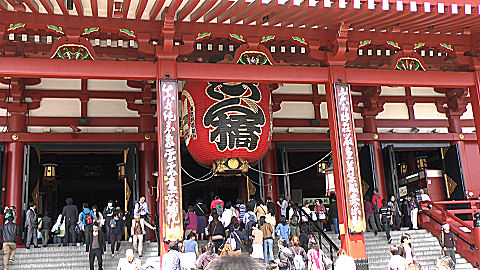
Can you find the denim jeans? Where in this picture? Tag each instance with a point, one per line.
(268, 248)
(335, 225)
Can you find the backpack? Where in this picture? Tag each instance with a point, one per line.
(219, 208)
(249, 227)
(88, 218)
(298, 262)
(232, 242)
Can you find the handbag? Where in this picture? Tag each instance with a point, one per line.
(216, 237)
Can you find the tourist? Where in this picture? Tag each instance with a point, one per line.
(406, 249)
(87, 217)
(315, 256)
(116, 233)
(9, 211)
(414, 266)
(131, 263)
(252, 203)
(344, 262)
(138, 232)
(227, 214)
(369, 215)
(108, 213)
(200, 210)
(233, 220)
(445, 263)
(447, 242)
(58, 230)
(423, 196)
(396, 213)
(306, 212)
(191, 221)
(31, 225)
(141, 208)
(377, 202)
(321, 214)
(80, 231)
(216, 231)
(218, 205)
(299, 254)
(267, 231)
(283, 229)
(236, 263)
(246, 217)
(386, 219)
(250, 225)
(270, 206)
(45, 227)
(9, 232)
(294, 221)
(285, 256)
(333, 213)
(205, 260)
(261, 210)
(257, 243)
(96, 246)
(97, 216)
(236, 238)
(70, 213)
(396, 262)
(283, 204)
(242, 209)
(413, 207)
(305, 236)
(190, 252)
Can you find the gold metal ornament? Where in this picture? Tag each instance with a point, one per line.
(15, 137)
(375, 136)
(461, 136)
(147, 137)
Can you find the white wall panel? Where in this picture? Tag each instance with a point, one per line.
(57, 84)
(427, 111)
(469, 113)
(109, 108)
(302, 89)
(58, 107)
(110, 85)
(292, 109)
(394, 111)
(392, 91)
(425, 92)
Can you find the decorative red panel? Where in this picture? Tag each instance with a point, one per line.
(226, 120)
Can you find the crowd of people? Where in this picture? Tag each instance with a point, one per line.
(90, 227)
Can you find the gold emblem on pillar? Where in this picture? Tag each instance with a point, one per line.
(451, 185)
(375, 136)
(230, 166)
(15, 137)
(461, 136)
(147, 137)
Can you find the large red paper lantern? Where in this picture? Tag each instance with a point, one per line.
(223, 121)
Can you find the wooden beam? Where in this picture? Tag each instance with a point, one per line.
(61, 4)
(94, 6)
(187, 9)
(53, 68)
(78, 7)
(157, 7)
(78, 137)
(109, 8)
(126, 7)
(202, 9)
(383, 137)
(48, 6)
(141, 8)
(32, 5)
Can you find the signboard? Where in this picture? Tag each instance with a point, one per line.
(169, 160)
(349, 158)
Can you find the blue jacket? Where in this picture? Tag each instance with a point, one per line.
(83, 216)
(283, 231)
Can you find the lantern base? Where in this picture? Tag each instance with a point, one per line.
(229, 166)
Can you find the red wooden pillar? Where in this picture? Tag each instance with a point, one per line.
(475, 101)
(370, 126)
(147, 183)
(353, 244)
(269, 165)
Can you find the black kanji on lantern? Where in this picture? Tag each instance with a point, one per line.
(236, 118)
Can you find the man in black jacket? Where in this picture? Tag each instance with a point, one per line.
(70, 214)
(96, 246)
(9, 232)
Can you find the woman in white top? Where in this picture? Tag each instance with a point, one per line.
(406, 250)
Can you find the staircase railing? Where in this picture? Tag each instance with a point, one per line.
(328, 244)
(434, 214)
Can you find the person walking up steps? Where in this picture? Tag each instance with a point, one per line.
(45, 229)
(31, 225)
(386, 219)
(447, 242)
(70, 213)
(87, 218)
(9, 232)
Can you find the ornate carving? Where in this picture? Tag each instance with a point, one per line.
(73, 52)
(409, 63)
(254, 58)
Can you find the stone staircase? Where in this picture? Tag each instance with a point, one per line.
(425, 246)
(72, 257)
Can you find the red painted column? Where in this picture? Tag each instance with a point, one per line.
(353, 244)
(15, 152)
(370, 126)
(475, 101)
(270, 181)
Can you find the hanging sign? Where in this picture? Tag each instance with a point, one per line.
(349, 158)
(169, 160)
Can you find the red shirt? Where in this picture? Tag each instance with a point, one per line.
(377, 201)
(215, 202)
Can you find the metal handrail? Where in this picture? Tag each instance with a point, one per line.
(333, 248)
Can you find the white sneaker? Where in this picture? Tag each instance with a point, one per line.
(78, 244)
